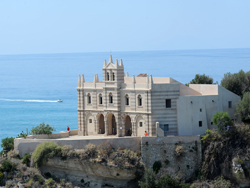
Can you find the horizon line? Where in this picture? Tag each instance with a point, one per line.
(120, 51)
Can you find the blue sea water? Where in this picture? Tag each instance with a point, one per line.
(31, 84)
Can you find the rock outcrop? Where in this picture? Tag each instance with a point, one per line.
(88, 173)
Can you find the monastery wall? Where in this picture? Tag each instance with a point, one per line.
(161, 114)
(164, 149)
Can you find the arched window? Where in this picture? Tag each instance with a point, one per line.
(126, 100)
(139, 100)
(100, 99)
(107, 76)
(113, 76)
(89, 99)
(110, 98)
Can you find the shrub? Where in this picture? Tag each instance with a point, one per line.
(51, 183)
(243, 109)
(7, 166)
(12, 154)
(240, 161)
(201, 79)
(105, 149)
(22, 135)
(42, 129)
(166, 161)
(91, 150)
(221, 182)
(222, 119)
(166, 181)
(7, 144)
(44, 151)
(26, 159)
(179, 151)
(1, 178)
(67, 151)
(149, 179)
(157, 166)
(239, 175)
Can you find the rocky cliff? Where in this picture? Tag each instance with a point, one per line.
(86, 173)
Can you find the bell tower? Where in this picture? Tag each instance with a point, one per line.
(113, 74)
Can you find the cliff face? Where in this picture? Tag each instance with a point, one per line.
(85, 173)
(227, 154)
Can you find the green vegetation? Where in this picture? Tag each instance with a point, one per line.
(222, 119)
(166, 181)
(7, 166)
(42, 129)
(240, 161)
(22, 135)
(243, 108)
(238, 83)
(44, 151)
(166, 161)
(157, 166)
(201, 79)
(221, 147)
(51, 183)
(1, 178)
(7, 144)
(26, 159)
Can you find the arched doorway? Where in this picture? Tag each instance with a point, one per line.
(128, 126)
(111, 124)
(101, 127)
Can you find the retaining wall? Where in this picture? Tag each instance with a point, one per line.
(163, 149)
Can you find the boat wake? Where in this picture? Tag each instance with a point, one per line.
(21, 100)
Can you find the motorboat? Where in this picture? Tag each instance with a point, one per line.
(59, 100)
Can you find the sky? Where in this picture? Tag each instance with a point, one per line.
(63, 26)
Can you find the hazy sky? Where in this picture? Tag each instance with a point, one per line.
(62, 26)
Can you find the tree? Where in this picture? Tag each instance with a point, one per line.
(201, 79)
(222, 119)
(42, 129)
(7, 144)
(243, 108)
(238, 83)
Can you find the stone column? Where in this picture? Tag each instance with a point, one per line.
(96, 126)
(133, 129)
(118, 130)
(106, 128)
(123, 128)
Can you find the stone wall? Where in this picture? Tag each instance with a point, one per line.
(163, 149)
(24, 146)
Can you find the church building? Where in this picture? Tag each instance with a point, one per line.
(120, 105)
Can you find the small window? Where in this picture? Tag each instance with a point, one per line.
(140, 124)
(110, 98)
(139, 100)
(89, 98)
(107, 76)
(212, 123)
(200, 109)
(166, 127)
(200, 123)
(229, 104)
(113, 76)
(100, 99)
(90, 120)
(126, 100)
(168, 103)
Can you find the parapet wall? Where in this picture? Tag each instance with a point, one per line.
(164, 149)
(24, 146)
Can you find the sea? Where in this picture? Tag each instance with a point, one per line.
(30, 85)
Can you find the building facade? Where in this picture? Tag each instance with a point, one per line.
(128, 106)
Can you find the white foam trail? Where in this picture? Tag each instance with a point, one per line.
(20, 100)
